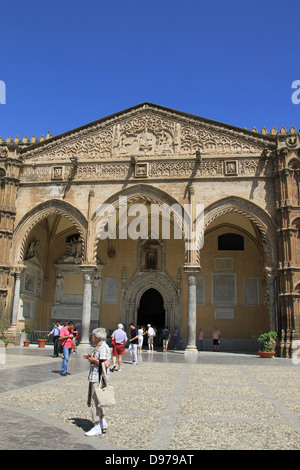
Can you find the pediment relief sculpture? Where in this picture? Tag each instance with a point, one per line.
(147, 132)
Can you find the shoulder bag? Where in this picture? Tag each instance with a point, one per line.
(105, 393)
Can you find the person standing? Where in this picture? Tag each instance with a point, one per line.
(75, 337)
(101, 354)
(216, 338)
(150, 333)
(66, 338)
(141, 333)
(133, 343)
(176, 333)
(165, 337)
(200, 338)
(56, 334)
(120, 339)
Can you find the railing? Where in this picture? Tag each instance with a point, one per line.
(33, 337)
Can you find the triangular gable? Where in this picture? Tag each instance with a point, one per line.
(147, 131)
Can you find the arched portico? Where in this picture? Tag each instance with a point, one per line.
(259, 229)
(19, 252)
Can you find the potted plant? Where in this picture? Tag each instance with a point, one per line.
(26, 331)
(42, 340)
(268, 341)
(5, 341)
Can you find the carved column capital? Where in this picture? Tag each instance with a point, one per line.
(18, 269)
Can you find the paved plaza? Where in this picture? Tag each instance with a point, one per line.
(169, 402)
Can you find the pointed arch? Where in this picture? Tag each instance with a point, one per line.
(40, 212)
(263, 221)
(135, 194)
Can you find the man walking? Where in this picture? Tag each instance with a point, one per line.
(133, 343)
(120, 339)
(66, 337)
(56, 333)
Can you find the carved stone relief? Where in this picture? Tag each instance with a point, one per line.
(31, 283)
(147, 133)
(177, 168)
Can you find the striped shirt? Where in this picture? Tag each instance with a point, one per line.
(102, 353)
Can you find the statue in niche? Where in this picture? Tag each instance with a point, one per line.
(73, 252)
(33, 250)
(151, 259)
(96, 289)
(59, 287)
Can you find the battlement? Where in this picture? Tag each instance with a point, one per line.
(25, 141)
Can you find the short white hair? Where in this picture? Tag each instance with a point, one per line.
(120, 325)
(100, 333)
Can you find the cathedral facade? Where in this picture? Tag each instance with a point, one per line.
(97, 226)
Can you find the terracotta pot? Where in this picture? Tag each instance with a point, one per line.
(26, 344)
(41, 343)
(267, 354)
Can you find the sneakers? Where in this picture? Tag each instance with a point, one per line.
(103, 425)
(95, 431)
(98, 428)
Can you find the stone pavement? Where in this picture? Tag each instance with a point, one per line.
(169, 402)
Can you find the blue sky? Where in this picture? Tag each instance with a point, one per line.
(66, 63)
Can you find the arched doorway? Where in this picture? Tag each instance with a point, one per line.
(151, 309)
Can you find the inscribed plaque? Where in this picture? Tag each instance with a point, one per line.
(224, 314)
(251, 296)
(110, 290)
(224, 289)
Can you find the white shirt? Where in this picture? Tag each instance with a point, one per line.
(150, 331)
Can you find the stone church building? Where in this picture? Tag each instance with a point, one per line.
(78, 242)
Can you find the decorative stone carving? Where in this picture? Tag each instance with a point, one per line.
(31, 284)
(158, 168)
(134, 288)
(73, 254)
(69, 305)
(148, 132)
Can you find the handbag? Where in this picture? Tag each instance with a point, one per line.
(105, 394)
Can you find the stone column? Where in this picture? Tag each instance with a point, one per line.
(18, 272)
(88, 275)
(191, 321)
(271, 276)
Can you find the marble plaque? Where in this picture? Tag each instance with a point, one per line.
(110, 290)
(224, 263)
(224, 314)
(200, 291)
(251, 291)
(224, 289)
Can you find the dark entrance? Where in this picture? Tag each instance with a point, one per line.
(151, 309)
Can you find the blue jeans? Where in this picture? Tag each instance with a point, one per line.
(66, 356)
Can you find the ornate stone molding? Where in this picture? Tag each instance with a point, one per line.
(148, 132)
(162, 168)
